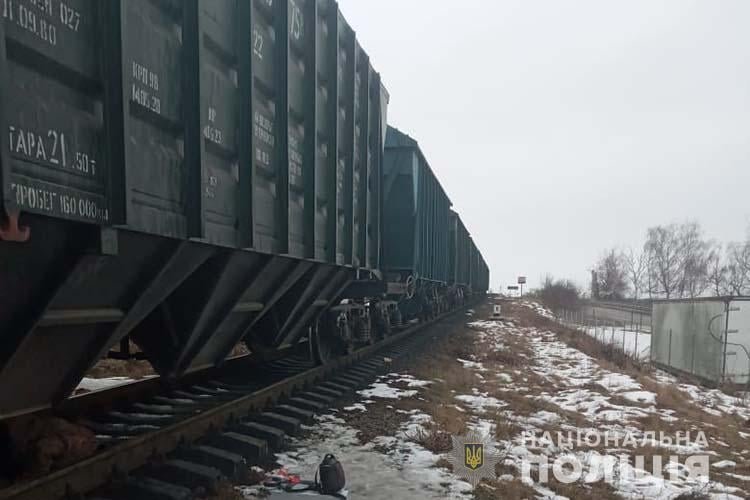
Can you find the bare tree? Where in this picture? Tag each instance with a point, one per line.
(594, 285)
(738, 267)
(636, 266)
(694, 256)
(717, 273)
(663, 249)
(677, 261)
(611, 275)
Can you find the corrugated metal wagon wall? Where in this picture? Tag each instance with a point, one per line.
(416, 212)
(188, 172)
(458, 251)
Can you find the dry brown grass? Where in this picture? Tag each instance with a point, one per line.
(692, 418)
(505, 430)
(692, 495)
(439, 365)
(690, 415)
(226, 491)
(378, 420)
(240, 349)
(451, 378)
(121, 368)
(432, 438)
(598, 490)
(504, 490)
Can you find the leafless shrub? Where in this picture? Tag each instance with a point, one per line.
(433, 439)
(558, 294)
(610, 276)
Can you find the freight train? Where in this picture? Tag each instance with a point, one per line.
(191, 174)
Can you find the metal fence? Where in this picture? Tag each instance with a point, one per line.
(632, 336)
(708, 338)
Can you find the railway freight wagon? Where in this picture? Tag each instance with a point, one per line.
(458, 253)
(467, 268)
(426, 247)
(479, 274)
(185, 173)
(483, 279)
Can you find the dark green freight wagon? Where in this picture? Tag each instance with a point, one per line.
(190, 174)
(459, 248)
(187, 173)
(425, 246)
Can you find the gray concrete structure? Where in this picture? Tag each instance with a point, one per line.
(705, 337)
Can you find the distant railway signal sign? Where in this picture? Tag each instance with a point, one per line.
(522, 281)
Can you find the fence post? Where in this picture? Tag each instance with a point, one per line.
(669, 356)
(636, 353)
(595, 321)
(612, 339)
(623, 341)
(632, 319)
(692, 360)
(651, 323)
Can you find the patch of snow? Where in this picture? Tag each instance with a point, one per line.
(480, 401)
(712, 401)
(472, 364)
(724, 464)
(646, 397)
(616, 382)
(541, 418)
(482, 427)
(385, 391)
(410, 380)
(636, 344)
(738, 476)
(95, 384)
(538, 308)
(355, 407)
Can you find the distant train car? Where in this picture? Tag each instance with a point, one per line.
(416, 213)
(458, 254)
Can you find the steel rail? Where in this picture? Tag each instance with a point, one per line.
(117, 461)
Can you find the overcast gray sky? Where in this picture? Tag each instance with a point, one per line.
(560, 128)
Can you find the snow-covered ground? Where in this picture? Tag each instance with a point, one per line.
(612, 404)
(527, 389)
(405, 470)
(636, 344)
(95, 384)
(538, 308)
(388, 467)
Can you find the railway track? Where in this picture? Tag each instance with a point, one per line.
(180, 443)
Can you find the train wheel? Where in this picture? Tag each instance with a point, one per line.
(325, 345)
